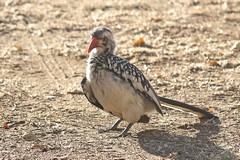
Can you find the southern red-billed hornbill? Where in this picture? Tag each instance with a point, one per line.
(120, 88)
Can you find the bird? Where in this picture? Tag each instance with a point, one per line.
(118, 87)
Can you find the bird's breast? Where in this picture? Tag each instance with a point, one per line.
(118, 96)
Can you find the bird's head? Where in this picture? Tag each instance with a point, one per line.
(103, 41)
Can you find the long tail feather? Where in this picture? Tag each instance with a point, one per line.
(173, 104)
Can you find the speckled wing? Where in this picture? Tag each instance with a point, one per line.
(131, 74)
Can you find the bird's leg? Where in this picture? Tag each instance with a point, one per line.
(113, 127)
(124, 132)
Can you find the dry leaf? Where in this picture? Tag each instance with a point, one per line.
(138, 42)
(43, 148)
(17, 47)
(213, 63)
(210, 110)
(5, 125)
(156, 19)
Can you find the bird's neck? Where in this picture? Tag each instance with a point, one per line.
(100, 52)
(95, 61)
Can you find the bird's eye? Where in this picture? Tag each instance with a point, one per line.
(105, 39)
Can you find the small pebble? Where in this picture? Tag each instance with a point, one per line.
(51, 97)
(29, 136)
(236, 46)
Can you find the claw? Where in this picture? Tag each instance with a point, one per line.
(112, 128)
(124, 133)
(102, 130)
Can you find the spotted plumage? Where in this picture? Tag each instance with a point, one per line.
(127, 72)
(120, 88)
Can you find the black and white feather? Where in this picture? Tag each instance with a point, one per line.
(128, 73)
(120, 88)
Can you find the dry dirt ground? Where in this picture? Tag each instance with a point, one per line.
(191, 54)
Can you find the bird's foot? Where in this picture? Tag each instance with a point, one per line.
(124, 132)
(102, 130)
(114, 127)
(121, 135)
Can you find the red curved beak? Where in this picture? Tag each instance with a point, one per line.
(93, 44)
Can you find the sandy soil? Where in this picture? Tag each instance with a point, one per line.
(192, 54)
